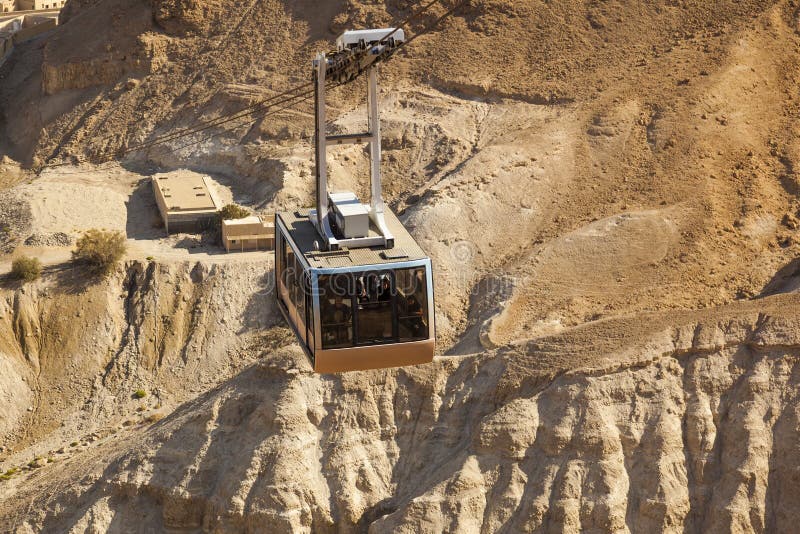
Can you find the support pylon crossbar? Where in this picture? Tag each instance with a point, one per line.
(320, 217)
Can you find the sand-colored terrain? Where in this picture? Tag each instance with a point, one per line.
(608, 192)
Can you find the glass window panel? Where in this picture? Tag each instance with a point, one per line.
(288, 267)
(412, 304)
(298, 296)
(279, 262)
(309, 311)
(374, 309)
(336, 310)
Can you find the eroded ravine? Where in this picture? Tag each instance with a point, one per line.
(692, 439)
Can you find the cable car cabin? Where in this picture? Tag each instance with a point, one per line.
(352, 282)
(355, 309)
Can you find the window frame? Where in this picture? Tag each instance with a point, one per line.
(286, 292)
(319, 296)
(423, 297)
(352, 271)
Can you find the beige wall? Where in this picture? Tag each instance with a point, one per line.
(32, 31)
(242, 245)
(27, 5)
(19, 28)
(253, 236)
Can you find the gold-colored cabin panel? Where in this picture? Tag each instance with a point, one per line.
(374, 356)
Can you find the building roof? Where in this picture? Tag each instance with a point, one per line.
(303, 234)
(185, 191)
(252, 219)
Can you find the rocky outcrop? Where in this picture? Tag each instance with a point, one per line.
(183, 17)
(701, 438)
(80, 347)
(79, 75)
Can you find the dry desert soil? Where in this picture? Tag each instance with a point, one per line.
(608, 190)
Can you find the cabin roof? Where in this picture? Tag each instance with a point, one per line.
(303, 234)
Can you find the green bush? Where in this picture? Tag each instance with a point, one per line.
(26, 268)
(229, 212)
(8, 474)
(99, 249)
(233, 211)
(140, 393)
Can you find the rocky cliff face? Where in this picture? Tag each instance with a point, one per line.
(613, 224)
(694, 431)
(77, 347)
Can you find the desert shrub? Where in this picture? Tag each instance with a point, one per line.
(140, 393)
(8, 474)
(99, 249)
(26, 268)
(227, 213)
(155, 417)
(233, 211)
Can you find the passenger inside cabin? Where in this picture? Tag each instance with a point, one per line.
(336, 321)
(339, 312)
(385, 293)
(361, 292)
(414, 310)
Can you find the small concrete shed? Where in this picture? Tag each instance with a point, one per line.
(249, 233)
(186, 201)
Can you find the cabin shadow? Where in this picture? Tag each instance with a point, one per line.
(376, 511)
(786, 280)
(260, 311)
(485, 301)
(317, 17)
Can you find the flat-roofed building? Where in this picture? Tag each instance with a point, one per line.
(186, 201)
(30, 5)
(249, 233)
